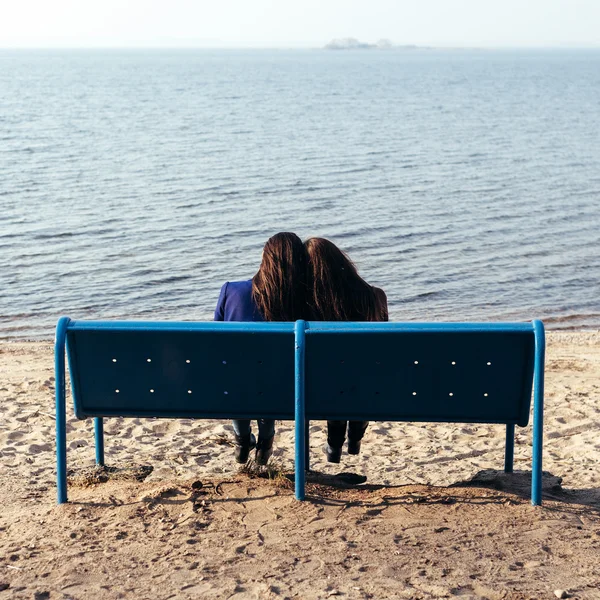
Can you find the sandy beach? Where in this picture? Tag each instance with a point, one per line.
(436, 517)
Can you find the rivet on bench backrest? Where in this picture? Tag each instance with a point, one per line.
(114, 360)
(485, 394)
(489, 364)
(224, 362)
(116, 391)
(416, 362)
(260, 362)
(226, 393)
(187, 361)
(414, 393)
(148, 360)
(453, 362)
(189, 391)
(152, 391)
(450, 394)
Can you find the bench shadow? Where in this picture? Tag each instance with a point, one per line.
(519, 484)
(322, 488)
(516, 484)
(173, 495)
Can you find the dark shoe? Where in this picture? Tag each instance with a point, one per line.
(333, 454)
(243, 445)
(264, 449)
(353, 447)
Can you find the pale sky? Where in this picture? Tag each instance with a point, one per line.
(297, 23)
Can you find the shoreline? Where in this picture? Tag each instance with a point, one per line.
(550, 329)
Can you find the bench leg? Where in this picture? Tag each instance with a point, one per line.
(300, 412)
(61, 439)
(300, 477)
(307, 446)
(61, 411)
(538, 413)
(99, 435)
(509, 451)
(536, 467)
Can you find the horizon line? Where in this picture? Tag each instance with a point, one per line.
(291, 46)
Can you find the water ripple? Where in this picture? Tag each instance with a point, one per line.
(463, 183)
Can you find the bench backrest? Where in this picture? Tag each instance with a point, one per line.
(185, 370)
(372, 371)
(446, 372)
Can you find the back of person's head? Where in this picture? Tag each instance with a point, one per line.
(336, 290)
(279, 287)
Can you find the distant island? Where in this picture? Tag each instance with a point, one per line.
(354, 44)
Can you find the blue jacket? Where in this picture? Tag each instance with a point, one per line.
(236, 304)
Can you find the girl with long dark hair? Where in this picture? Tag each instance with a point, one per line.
(338, 293)
(276, 293)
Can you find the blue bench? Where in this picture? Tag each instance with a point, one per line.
(444, 372)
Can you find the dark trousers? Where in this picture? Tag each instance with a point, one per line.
(336, 432)
(266, 428)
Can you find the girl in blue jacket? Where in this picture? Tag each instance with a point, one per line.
(276, 293)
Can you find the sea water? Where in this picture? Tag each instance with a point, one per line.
(133, 184)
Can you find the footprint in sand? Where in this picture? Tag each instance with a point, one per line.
(78, 444)
(37, 448)
(162, 427)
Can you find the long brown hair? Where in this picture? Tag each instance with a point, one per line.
(337, 292)
(279, 287)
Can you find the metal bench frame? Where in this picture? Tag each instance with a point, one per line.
(299, 332)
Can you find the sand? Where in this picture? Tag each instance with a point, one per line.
(436, 517)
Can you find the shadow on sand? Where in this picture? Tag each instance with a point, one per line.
(516, 484)
(342, 489)
(519, 484)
